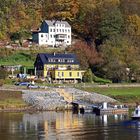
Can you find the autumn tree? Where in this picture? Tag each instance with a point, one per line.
(88, 56)
(60, 9)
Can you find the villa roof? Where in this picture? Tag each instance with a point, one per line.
(45, 58)
(53, 22)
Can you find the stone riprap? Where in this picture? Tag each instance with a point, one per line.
(60, 98)
(79, 95)
(44, 100)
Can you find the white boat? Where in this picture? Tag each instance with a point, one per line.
(136, 113)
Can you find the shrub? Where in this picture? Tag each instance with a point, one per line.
(101, 80)
(88, 76)
(3, 73)
(9, 81)
(39, 81)
(1, 82)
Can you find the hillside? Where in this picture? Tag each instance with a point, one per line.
(109, 32)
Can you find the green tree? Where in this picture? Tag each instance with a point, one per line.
(88, 76)
(119, 57)
(112, 23)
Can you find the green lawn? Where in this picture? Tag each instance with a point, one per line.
(123, 94)
(18, 58)
(25, 57)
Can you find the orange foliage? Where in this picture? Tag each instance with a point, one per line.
(87, 55)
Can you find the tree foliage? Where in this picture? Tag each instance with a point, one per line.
(87, 55)
(110, 30)
(121, 62)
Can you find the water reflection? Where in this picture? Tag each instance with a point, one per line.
(66, 125)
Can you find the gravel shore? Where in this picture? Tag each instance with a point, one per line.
(60, 98)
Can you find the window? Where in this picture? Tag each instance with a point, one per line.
(41, 35)
(70, 74)
(68, 36)
(62, 74)
(67, 41)
(53, 30)
(58, 73)
(57, 30)
(62, 30)
(50, 36)
(65, 30)
(68, 30)
(77, 74)
(50, 30)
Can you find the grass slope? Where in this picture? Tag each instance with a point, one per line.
(11, 99)
(122, 94)
(18, 59)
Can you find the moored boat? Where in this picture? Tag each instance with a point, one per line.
(136, 113)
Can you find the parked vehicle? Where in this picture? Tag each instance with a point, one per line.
(22, 83)
(31, 86)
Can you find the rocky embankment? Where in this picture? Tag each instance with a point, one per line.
(60, 98)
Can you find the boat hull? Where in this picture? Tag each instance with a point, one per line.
(135, 117)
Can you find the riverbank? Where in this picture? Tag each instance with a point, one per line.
(12, 101)
(11, 97)
(126, 94)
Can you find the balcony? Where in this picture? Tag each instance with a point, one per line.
(61, 37)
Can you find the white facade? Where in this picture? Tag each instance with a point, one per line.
(54, 33)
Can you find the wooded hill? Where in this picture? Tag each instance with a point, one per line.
(110, 30)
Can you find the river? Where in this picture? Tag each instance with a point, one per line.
(67, 126)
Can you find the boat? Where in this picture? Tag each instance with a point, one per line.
(136, 113)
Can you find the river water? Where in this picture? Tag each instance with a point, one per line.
(67, 126)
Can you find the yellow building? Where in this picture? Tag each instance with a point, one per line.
(64, 67)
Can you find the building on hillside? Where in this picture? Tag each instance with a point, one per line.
(53, 33)
(58, 67)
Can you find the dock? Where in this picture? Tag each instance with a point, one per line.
(114, 110)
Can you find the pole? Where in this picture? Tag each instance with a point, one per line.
(35, 71)
(72, 97)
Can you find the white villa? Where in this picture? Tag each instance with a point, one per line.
(53, 33)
